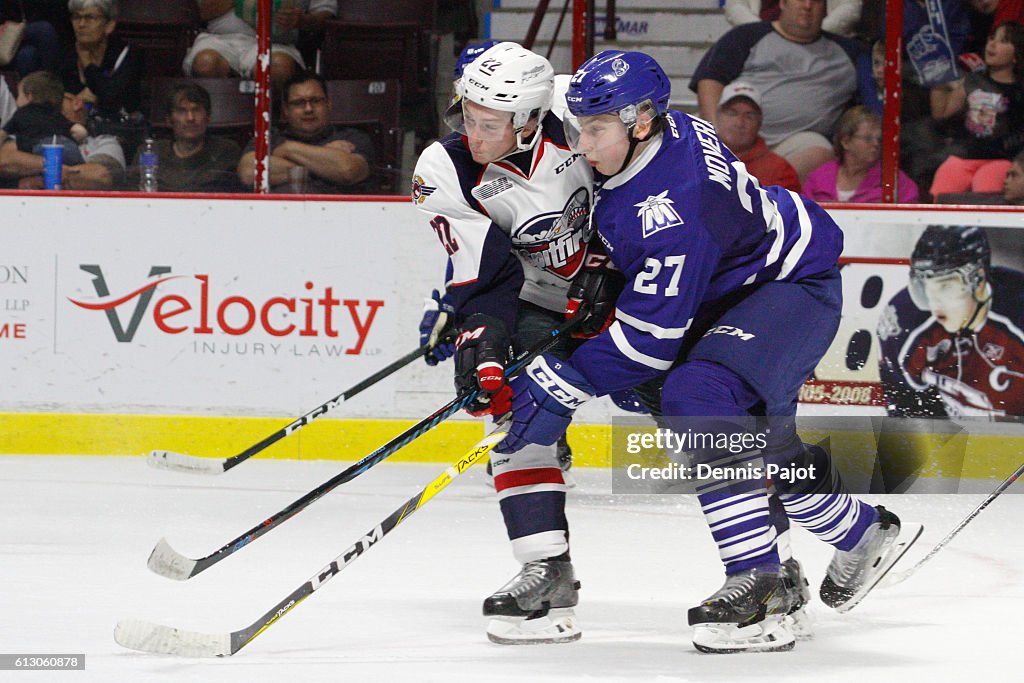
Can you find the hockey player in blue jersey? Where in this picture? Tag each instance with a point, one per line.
(732, 296)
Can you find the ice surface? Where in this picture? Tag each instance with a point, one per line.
(76, 532)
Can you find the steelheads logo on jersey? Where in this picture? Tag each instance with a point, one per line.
(554, 241)
(194, 310)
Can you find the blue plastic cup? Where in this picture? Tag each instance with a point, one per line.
(53, 166)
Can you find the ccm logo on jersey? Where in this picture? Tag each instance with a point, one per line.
(563, 392)
(731, 331)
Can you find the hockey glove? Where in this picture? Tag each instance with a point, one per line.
(482, 351)
(597, 286)
(437, 313)
(544, 399)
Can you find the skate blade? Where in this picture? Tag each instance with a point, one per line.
(909, 533)
(557, 626)
(801, 624)
(773, 634)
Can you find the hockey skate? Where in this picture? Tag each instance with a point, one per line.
(798, 590)
(749, 613)
(536, 606)
(852, 574)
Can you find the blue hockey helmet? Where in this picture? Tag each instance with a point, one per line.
(470, 53)
(614, 81)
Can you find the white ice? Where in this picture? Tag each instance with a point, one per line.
(76, 532)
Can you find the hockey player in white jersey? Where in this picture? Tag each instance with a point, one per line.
(510, 204)
(732, 297)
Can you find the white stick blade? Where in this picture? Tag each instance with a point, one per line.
(180, 462)
(145, 636)
(166, 561)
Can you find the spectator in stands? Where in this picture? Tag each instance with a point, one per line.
(8, 105)
(104, 165)
(193, 161)
(40, 120)
(805, 78)
(334, 161)
(739, 127)
(229, 43)
(985, 16)
(102, 68)
(871, 78)
(841, 16)
(993, 130)
(40, 48)
(856, 173)
(1013, 186)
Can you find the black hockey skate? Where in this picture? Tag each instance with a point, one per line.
(749, 613)
(536, 606)
(852, 574)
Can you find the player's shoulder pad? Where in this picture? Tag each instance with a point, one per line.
(444, 175)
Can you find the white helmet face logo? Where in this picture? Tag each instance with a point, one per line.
(619, 67)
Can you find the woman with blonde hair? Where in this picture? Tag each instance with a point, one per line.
(855, 175)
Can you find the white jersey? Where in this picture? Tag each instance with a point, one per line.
(538, 201)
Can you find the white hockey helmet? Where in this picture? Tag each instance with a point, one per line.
(508, 78)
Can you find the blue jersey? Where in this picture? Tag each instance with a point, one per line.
(687, 225)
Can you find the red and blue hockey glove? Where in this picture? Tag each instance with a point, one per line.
(437, 314)
(544, 399)
(597, 286)
(483, 349)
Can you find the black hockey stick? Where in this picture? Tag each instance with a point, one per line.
(903, 576)
(156, 638)
(183, 462)
(167, 561)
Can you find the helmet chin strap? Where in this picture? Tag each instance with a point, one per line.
(633, 143)
(979, 304)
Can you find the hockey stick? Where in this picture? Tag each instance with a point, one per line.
(183, 462)
(900, 577)
(156, 638)
(167, 561)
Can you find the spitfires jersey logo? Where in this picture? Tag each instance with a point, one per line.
(656, 214)
(554, 241)
(420, 190)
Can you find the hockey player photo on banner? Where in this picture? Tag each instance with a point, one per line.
(952, 341)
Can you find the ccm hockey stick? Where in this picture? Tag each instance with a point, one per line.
(156, 638)
(183, 462)
(900, 577)
(167, 561)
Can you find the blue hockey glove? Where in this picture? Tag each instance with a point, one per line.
(544, 399)
(483, 350)
(437, 313)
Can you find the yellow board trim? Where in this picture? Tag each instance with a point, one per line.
(989, 456)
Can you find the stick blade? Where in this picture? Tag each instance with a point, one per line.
(181, 462)
(166, 561)
(146, 636)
